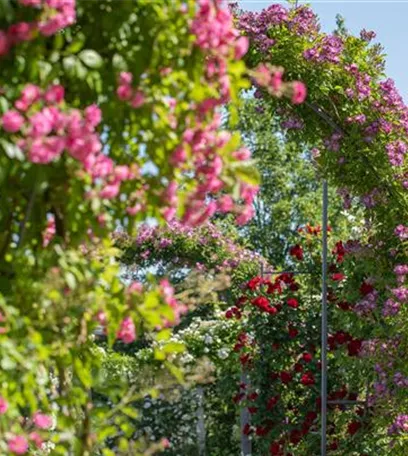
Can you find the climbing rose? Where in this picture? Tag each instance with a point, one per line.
(36, 438)
(127, 331)
(18, 444)
(299, 92)
(297, 252)
(285, 377)
(307, 379)
(3, 405)
(42, 421)
(292, 302)
(12, 121)
(353, 427)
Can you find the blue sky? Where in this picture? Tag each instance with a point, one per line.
(388, 18)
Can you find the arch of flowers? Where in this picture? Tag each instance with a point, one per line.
(111, 128)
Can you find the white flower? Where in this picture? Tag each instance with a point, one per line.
(223, 353)
(208, 339)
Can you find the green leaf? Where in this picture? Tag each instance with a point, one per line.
(71, 280)
(91, 58)
(174, 347)
(12, 150)
(246, 172)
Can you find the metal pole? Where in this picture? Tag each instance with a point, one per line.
(323, 447)
(201, 422)
(246, 446)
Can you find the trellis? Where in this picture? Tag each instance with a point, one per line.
(246, 447)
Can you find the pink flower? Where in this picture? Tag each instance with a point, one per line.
(41, 124)
(12, 121)
(138, 99)
(133, 210)
(22, 31)
(99, 165)
(3, 405)
(42, 421)
(49, 232)
(178, 157)
(122, 173)
(93, 115)
(246, 215)
(18, 444)
(135, 287)
(110, 191)
(30, 94)
(36, 438)
(101, 318)
(125, 78)
(242, 154)
(225, 203)
(127, 331)
(46, 150)
(124, 92)
(299, 92)
(4, 43)
(30, 2)
(276, 81)
(241, 47)
(55, 94)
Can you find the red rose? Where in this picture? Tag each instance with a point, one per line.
(247, 429)
(366, 288)
(353, 427)
(252, 410)
(272, 402)
(254, 283)
(285, 377)
(271, 310)
(293, 332)
(344, 305)
(338, 277)
(307, 357)
(297, 252)
(238, 397)
(261, 431)
(310, 417)
(241, 301)
(334, 445)
(307, 379)
(261, 302)
(298, 367)
(342, 337)
(292, 302)
(253, 396)
(275, 449)
(354, 347)
(295, 436)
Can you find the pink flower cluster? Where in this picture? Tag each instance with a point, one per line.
(215, 32)
(179, 309)
(46, 128)
(396, 152)
(55, 15)
(328, 50)
(127, 331)
(125, 91)
(401, 231)
(256, 25)
(202, 142)
(270, 78)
